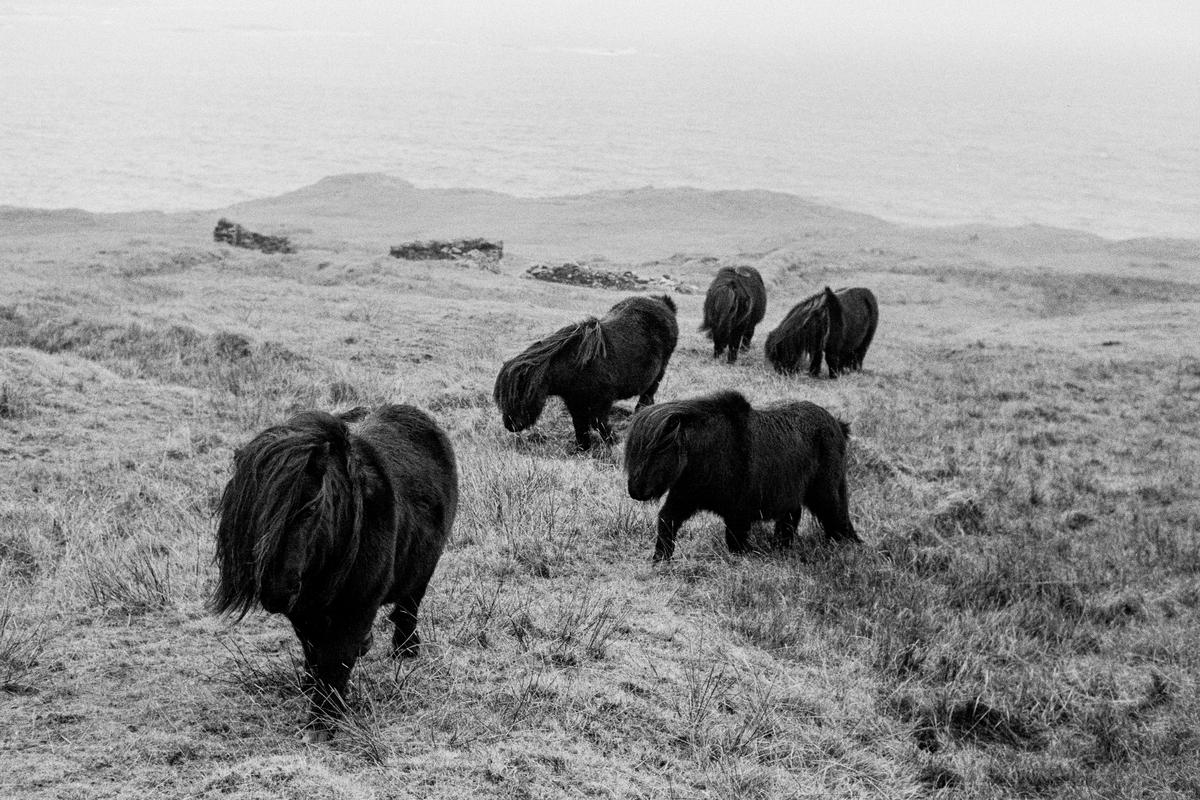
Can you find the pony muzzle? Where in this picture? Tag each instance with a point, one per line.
(640, 493)
(280, 599)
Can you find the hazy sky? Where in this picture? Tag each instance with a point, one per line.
(1140, 25)
(822, 22)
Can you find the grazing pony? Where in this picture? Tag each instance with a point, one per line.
(735, 303)
(838, 325)
(716, 453)
(590, 365)
(325, 519)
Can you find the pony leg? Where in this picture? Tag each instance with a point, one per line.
(814, 366)
(581, 420)
(746, 337)
(828, 501)
(785, 527)
(735, 344)
(647, 398)
(735, 535)
(406, 643)
(717, 348)
(670, 517)
(600, 423)
(331, 652)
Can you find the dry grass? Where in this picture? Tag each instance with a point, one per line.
(1022, 621)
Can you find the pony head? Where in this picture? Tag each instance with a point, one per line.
(655, 451)
(290, 517)
(520, 392)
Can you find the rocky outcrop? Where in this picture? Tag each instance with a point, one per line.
(434, 249)
(234, 234)
(584, 275)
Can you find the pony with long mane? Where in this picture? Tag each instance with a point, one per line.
(837, 326)
(735, 303)
(325, 519)
(591, 365)
(716, 453)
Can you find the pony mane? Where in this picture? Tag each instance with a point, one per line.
(652, 430)
(523, 376)
(265, 497)
(803, 330)
(651, 433)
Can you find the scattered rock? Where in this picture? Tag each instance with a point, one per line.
(482, 250)
(234, 234)
(584, 275)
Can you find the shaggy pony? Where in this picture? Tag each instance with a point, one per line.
(325, 519)
(734, 304)
(716, 453)
(590, 365)
(837, 326)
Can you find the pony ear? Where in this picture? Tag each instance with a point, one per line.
(829, 295)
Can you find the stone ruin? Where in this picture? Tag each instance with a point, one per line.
(596, 278)
(234, 234)
(434, 250)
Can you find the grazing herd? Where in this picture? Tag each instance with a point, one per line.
(328, 517)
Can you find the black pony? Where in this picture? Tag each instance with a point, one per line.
(735, 303)
(716, 453)
(325, 519)
(590, 365)
(838, 325)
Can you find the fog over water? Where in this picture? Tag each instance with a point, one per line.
(1078, 115)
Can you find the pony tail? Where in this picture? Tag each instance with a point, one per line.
(833, 306)
(724, 311)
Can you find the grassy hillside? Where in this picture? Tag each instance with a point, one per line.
(1025, 471)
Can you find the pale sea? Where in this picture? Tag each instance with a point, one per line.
(130, 106)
